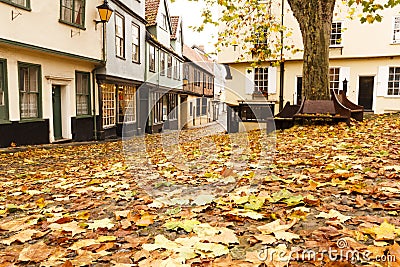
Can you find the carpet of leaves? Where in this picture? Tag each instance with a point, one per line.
(329, 197)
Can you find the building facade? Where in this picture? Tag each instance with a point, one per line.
(198, 87)
(370, 67)
(46, 77)
(161, 94)
(124, 71)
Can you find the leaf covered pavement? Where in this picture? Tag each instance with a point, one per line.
(326, 188)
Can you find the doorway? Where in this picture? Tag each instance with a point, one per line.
(366, 91)
(57, 122)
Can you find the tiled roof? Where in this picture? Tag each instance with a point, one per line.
(151, 11)
(198, 58)
(174, 22)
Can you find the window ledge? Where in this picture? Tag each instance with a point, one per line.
(395, 43)
(31, 120)
(5, 122)
(16, 5)
(72, 24)
(84, 116)
(336, 46)
(391, 96)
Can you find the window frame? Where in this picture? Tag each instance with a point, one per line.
(88, 95)
(393, 82)
(334, 84)
(162, 63)
(338, 33)
(164, 22)
(258, 80)
(169, 65)
(119, 40)
(10, 2)
(152, 58)
(22, 65)
(71, 23)
(110, 120)
(4, 112)
(122, 111)
(134, 25)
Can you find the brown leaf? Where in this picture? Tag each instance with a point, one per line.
(37, 252)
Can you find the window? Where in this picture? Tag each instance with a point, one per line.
(204, 106)
(108, 101)
(119, 35)
(179, 69)
(158, 107)
(190, 108)
(3, 91)
(396, 30)
(172, 104)
(162, 63)
(198, 106)
(394, 81)
(175, 68)
(164, 21)
(152, 58)
(196, 77)
(169, 66)
(126, 104)
(135, 43)
(261, 38)
(261, 81)
(29, 90)
(19, 3)
(336, 34)
(334, 79)
(204, 80)
(82, 80)
(72, 12)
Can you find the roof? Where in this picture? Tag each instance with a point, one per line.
(151, 11)
(198, 58)
(175, 23)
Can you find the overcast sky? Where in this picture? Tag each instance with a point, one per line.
(190, 11)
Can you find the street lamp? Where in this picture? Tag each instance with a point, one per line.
(105, 12)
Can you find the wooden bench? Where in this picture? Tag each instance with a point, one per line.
(284, 119)
(357, 111)
(324, 110)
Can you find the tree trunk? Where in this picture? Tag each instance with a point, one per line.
(315, 20)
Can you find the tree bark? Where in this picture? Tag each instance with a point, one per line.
(315, 20)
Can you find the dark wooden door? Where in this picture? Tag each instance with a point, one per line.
(57, 123)
(299, 90)
(366, 92)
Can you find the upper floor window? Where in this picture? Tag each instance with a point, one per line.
(394, 81)
(119, 35)
(176, 68)
(135, 43)
(336, 34)
(334, 78)
(164, 21)
(396, 30)
(29, 90)
(25, 4)
(73, 12)
(152, 58)
(162, 63)
(261, 80)
(169, 66)
(82, 93)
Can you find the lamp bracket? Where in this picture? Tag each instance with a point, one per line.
(15, 13)
(74, 33)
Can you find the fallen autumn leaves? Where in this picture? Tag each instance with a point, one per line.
(328, 187)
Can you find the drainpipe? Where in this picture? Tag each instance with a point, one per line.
(281, 64)
(94, 71)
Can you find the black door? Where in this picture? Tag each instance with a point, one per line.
(57, 121)
(299, 89)
(366, 91)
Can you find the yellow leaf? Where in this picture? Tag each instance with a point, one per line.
(106, 238)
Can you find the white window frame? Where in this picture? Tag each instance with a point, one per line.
(261, 77)
(109, 105)
(334, 78)
(394, 81)
(119, 35)
(152, 58)
(126, 104)
(335, 39)
(135, 43)
(30, 91)
(82, 93)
